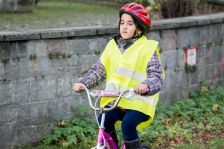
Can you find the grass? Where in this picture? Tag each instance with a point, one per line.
(58, 14)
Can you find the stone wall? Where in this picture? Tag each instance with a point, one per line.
(38, 68)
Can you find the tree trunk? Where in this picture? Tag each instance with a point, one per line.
(17, 5)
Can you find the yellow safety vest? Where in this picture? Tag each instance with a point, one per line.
(128, 70)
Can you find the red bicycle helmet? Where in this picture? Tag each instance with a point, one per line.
(137, 11)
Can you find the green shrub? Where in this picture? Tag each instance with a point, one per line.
(78, 132)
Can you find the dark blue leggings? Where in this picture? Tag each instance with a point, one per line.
(130, 119)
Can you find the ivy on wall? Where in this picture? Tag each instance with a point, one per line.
(58, 55)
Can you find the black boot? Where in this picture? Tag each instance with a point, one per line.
(132, 144)
(113, 135)
(144, 146)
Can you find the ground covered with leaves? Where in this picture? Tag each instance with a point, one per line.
(196, 120)
(196, 123)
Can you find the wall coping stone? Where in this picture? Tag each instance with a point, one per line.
(181, 22)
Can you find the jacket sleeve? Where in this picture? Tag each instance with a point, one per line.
(154, 75)
(94, 75)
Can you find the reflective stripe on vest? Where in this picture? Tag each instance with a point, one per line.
(147, 99)
(130, 74)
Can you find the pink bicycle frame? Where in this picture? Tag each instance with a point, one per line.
(104, 140)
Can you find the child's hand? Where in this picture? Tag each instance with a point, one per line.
(79, 87)
(142, 89)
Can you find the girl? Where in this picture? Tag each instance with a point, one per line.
(129, 60)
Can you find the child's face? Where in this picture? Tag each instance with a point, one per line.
(127, 26)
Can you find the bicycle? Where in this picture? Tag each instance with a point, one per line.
(104, 140)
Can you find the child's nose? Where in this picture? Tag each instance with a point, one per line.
(125, 25)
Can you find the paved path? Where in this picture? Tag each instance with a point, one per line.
(58, 22)
(51, 15)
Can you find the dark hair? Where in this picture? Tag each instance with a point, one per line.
(139, 24)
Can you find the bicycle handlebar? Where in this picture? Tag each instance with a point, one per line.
(106, 109)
